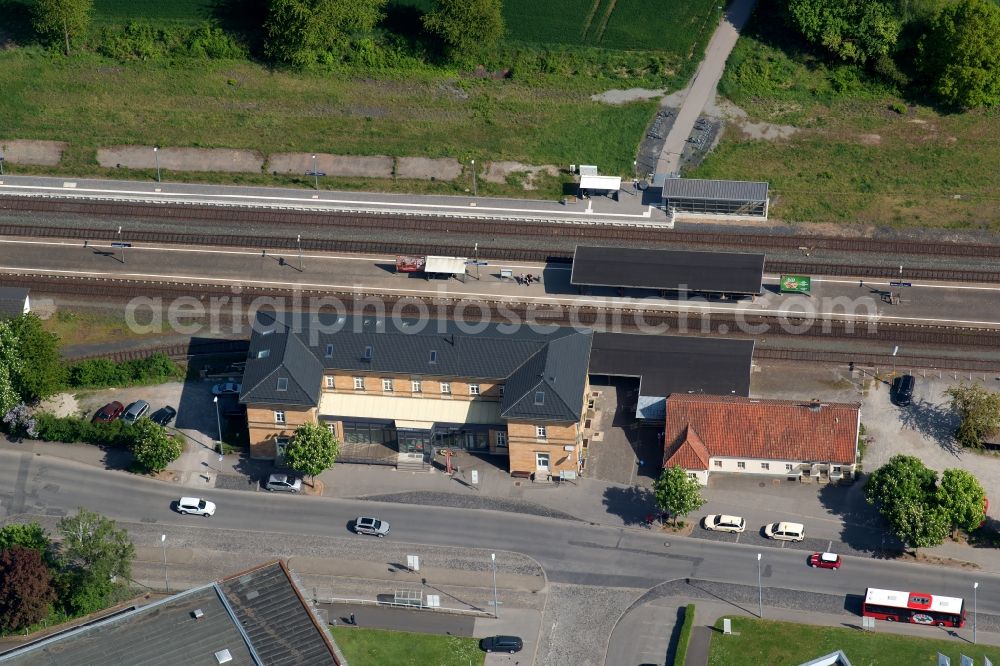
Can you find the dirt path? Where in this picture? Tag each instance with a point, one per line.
(702, 87)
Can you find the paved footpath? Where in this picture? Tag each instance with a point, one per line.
(705, 81)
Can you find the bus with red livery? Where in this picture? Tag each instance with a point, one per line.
(914, 607)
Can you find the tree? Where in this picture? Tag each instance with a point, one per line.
(467, 26)
(31, 357)
(26, 592)
(92, 543)
(853, 30)
(62, 19)
(677, 493)
(979, 410)
(962, 499)
(152, 447)
(299, 32)
(312, 451)
(959, 55)
(28, 535)
(903, 490)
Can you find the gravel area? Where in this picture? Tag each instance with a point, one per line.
(429, 498)
(577, 623)
(181, 159)
(23, 151)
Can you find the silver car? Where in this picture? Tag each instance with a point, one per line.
(283, 483)
(374, 526)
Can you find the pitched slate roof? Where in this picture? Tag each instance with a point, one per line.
(691, 453)
(276, 627)
(12, 301)
(737, 427)
(549, 386)
(301, 351)
(280, 624)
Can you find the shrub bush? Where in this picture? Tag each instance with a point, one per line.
(71, 429)
(685, 636)
(101, 373)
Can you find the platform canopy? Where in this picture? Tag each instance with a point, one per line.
(668, 270)
(451, 265)
(600, 183)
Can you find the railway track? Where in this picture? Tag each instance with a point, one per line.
(885, 333)
(483, 227)
(486, 250)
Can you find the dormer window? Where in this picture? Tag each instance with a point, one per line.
(329, 351)
(539, 397)
(263, 353)
(282, 383)
(434, 356)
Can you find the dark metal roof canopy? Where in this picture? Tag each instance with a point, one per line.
(673, 270)
(720, 190)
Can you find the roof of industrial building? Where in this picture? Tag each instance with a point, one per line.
(257, 616)
(670, 364)
(719, 190)
(674, 270)
(801, 431)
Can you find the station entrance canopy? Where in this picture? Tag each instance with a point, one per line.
(449, 265)
(668, 270)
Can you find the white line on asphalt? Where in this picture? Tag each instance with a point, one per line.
(314, 203)
(541, 300)
(829, 546)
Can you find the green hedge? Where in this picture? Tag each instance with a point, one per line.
(72, 429)
(685, 637)
(102, 373)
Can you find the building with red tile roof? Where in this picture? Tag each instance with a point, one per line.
(782, 438)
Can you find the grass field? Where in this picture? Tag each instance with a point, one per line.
(785, 643)
(372, 647)
(90, 102)
(861, 153)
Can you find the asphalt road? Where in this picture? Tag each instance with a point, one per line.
(570, 552)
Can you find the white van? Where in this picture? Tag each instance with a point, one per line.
(785, 531)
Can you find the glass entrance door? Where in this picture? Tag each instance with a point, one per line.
(413, 442)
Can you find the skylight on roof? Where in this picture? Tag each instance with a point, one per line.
(329, 351)
(539, 397)
(283, 383)
(368, 351)
(434, 356)
(263, 353)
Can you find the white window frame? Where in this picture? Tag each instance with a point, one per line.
(415, 386)
(279, 416)
(765, 466)
(717, 463)
(788, 467)
(741, 465)
(501, 439)
(331, 428)
(473, 389)
(541, 432)
(359, 383)
(330, 382)
(387, 385)
(446, 388)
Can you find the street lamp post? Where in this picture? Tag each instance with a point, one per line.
(474, 188)
(156, 156)
(298, 240)
(121, 244)
(315, 172)
(1, 165)
(496, 603)
(760, 592)
(975, 610)
(218, 421)
(163, 542)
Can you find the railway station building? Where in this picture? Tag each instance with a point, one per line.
(714, 198)
(725, 274)
(394, 392)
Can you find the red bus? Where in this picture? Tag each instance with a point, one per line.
(915, 607)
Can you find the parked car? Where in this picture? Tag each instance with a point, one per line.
(724, 523)
(108, 412)
(510, 644)
(135, 411)
(227, 388)
(195, 505)
(824, 560)
(368, 525)
(283, 483)
(901, 391)
(785, 531)
(163, 416)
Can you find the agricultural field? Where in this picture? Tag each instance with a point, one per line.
(859, 152)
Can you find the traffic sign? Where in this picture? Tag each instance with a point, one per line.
(900, 284)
